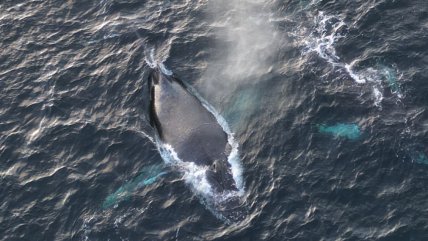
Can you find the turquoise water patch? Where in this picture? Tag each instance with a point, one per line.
(420, 158)
(146, 177)
(244, 103)
(391, 78)
(349, 131)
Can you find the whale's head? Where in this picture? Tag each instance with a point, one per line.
(155, 76)
(227, 200)
(159, 74)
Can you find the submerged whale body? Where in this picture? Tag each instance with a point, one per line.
(195, 137)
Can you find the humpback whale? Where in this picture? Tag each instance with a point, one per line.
(194, 136)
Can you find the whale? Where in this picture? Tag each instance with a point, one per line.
(194, 135)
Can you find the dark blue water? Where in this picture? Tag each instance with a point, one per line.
(327, 100)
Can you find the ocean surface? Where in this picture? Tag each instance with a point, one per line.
(328, 101)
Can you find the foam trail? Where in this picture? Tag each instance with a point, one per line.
(192, 173)
(153, 63)
(164, 69)
(150, 59)
(148, 176)
(328, 29)
(349, 131)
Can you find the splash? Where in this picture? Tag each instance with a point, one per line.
(152, 62)
(327, 31)
(148, 176)
(349, 131)
(150, 59)
(195, 176)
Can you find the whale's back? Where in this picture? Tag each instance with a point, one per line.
(185, 124)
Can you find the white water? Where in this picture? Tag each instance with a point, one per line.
(153, 63)
(327, 30)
